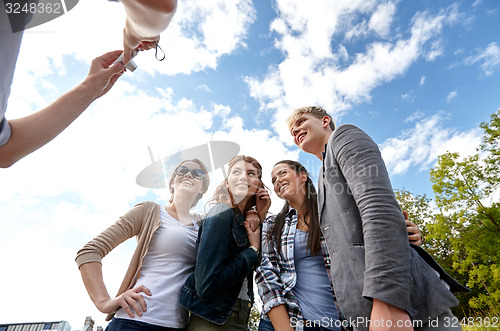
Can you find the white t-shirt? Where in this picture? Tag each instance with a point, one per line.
(166, 266)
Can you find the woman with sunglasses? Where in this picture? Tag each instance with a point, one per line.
(219, 293)
(165, 256)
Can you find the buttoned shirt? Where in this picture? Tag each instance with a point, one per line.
(276, 275)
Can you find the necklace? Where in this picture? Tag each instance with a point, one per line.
(302, 224)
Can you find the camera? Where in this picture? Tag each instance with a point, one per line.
(130, 65)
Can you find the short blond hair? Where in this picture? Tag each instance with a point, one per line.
(315, 111)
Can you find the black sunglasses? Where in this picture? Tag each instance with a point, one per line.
(196, 173)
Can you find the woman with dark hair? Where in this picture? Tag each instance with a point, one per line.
(164, 258)
(292, 279)
(219, 293)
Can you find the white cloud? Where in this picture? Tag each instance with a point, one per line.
(415, 116)
(436, 50)
(198, 35)
(409, 97)
(221, 110)
(381, 20)
(204, 87)
(315, 73)
(489, 59)
(422, 81)
(420, 146)
(452, 95)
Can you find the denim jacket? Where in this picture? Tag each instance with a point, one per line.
(223, 260)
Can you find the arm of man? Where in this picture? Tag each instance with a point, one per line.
(146, 19)
(387, 256)
(32, 132)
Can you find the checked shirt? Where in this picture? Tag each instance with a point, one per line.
(276, 275)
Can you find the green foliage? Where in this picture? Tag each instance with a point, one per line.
(253, 321)
(464, 233)
(418, 208)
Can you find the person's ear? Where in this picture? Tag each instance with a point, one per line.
(326, 121)
(303, 177)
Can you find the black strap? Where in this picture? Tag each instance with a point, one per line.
(161, 50)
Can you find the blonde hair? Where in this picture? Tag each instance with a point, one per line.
(315, 111)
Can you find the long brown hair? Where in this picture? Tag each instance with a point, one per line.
(311, 206)
(223, 195)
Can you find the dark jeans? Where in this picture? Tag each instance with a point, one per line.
(121, 324)
(237, 321)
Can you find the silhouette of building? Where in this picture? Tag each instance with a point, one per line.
(49, 326)
(38, 326)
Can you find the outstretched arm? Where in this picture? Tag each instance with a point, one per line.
(32, 132)
(146, 19)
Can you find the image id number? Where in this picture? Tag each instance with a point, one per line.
(479, 322)
(41, 8)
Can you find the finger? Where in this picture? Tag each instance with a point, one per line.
(248, 227)
(254, 224)
(145, 45)
(252, 219)
(133, 301)
(414, 237)
(142, 303)
(127, 309)
(405, 214)
(410, 224)
(115, 69)
(108, 58)
(264, 191)
(143, 289)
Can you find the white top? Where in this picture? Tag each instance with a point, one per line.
(9, 49)
(167, 264)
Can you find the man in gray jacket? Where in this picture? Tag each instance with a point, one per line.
(380, 282)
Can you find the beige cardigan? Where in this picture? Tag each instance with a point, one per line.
(141, 221)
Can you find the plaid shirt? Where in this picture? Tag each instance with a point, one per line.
(276, 275)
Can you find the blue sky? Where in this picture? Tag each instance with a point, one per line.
(418, 76)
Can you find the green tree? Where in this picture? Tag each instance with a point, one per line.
(253, 321)
(418, 208)
(466, 229)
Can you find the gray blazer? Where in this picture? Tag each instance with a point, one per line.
(366, 236)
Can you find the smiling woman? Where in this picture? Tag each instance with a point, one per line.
(219, 293)
(292, 278)
(163, 259)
